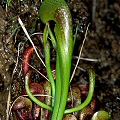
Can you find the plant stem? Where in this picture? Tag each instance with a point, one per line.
(90, 93)
(47, 61)
(27, 78)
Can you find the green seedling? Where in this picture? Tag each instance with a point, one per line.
(58, 11)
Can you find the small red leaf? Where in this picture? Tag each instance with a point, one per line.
(26, 59)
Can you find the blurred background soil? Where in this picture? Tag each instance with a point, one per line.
(101, 50)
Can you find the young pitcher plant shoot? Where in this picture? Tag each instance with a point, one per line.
(62, 41)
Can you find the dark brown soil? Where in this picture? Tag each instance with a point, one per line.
(102, 48)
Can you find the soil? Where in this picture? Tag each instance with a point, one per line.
(101, 50)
